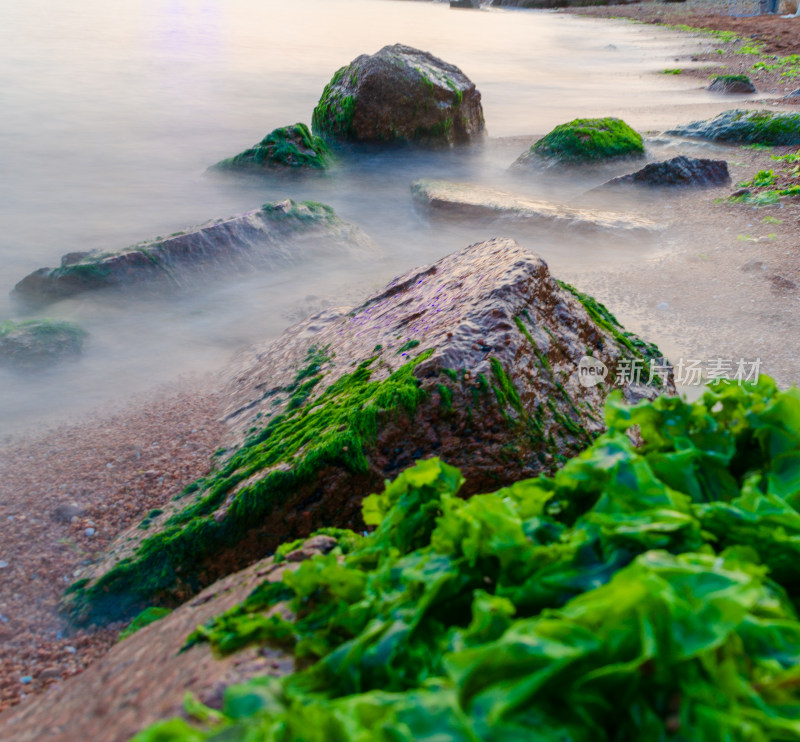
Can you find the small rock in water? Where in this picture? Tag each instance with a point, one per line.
(89, 531)
(26, 679)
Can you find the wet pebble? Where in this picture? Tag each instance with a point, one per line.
(89, 531)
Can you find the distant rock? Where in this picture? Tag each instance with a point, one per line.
(39, 343)
(746, 127)
(481, 358)
(399, 95)
(287, 148)
(793, 97)
(582, 142)
(732, 84)
(680, 171)
(471, 4)
(465, 201)
(275, 235)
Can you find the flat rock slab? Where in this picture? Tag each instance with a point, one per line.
(277, 234)
(680, 171)
(475, 358)
(465, 201)
(144, 678)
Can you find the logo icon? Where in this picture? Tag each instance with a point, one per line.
(591, 371)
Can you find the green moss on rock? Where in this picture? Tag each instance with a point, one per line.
(746, 127)
(288, 148)
(39, 342)
(589, 140)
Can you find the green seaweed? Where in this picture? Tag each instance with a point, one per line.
(588, 140)
(145, 618)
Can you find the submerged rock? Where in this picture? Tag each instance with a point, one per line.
(732, 84)
(281, 233)
(679, 171)
(746, 127)
(482, 358)
(286, 148)
(465, 201)
(399, 95)
(581, 142)
(39, 343)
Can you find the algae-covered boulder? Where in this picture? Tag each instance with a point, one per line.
(480, 358)
(680, 171)
(583, 141)
(287, 148)
(399, 95)
(732, 84)
(465, 201)
(39, 343)
(746, 127)
(277, 234)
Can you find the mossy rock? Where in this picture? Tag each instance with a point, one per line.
(39, 343)
(400, 95)
(475, 357)
(584, 141)
(746, 127)
(287, 148)
(732, 84)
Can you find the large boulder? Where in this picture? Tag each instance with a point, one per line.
(39, 343)
(462, 201)
(399, 95)
(746, 127)
(482, 358)
(680, 171)
(732, 84)
(288, 148)
(582, 142)
(277, 234)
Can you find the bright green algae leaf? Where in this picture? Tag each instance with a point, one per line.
(642, 593)
(145, 618)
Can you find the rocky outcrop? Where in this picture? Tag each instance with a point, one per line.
(145, 677)
(482, 358)
(582, 142)
(732, 84)
(746, 127)
(680, 171)
(277, 234)
(287, 148)
(39, 343)
(463, 201)
(399, 95)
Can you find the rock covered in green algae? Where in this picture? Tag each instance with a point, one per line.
(39, 343)
(285, 148)
(278, 234)
(584, 141)
(474, 358)
(732, 84)
(746, 127)
(399, 95)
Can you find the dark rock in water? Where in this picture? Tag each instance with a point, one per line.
(399, 95)
(732, 84)
(581, 142)
(65, 513)
(679, 171)
(286, 148)
(780, 283)
(465, 201)
(746, 127)
(277, 234)
(39, 343)
(482, 358)
(474, 4)
(793, 97)
(754, 266)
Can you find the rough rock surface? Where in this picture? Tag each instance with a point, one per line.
(39, 343)
(679, 171)
(474, 359)
(732, 84)
(144, 678)
(400, 95)
(286, 148)
(746, 127)
(583, 142)
(465, 201)
(280, 233)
